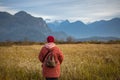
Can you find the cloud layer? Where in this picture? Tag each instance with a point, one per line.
(84, 10)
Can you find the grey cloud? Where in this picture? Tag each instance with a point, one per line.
(71, 9)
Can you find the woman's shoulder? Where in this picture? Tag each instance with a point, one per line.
(56, 48)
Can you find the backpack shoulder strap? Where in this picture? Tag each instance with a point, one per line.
(45, 55)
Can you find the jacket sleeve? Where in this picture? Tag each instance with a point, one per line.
(60, 57)
(41, 55)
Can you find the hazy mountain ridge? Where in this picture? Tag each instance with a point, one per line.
(80, 30)
(23, 26)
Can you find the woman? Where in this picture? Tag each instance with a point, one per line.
(48, 72)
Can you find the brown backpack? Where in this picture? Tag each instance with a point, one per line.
(50, 59)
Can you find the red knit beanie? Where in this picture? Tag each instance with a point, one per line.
(50, 39)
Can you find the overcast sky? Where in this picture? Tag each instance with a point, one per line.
(83, 10)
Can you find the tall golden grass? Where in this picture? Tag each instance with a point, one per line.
(81, 62)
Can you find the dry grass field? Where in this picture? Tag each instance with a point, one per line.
(82, 62)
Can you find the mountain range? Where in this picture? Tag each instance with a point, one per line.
(23, 26)
(78, 29)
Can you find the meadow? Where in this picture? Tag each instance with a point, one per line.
(81, 62)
